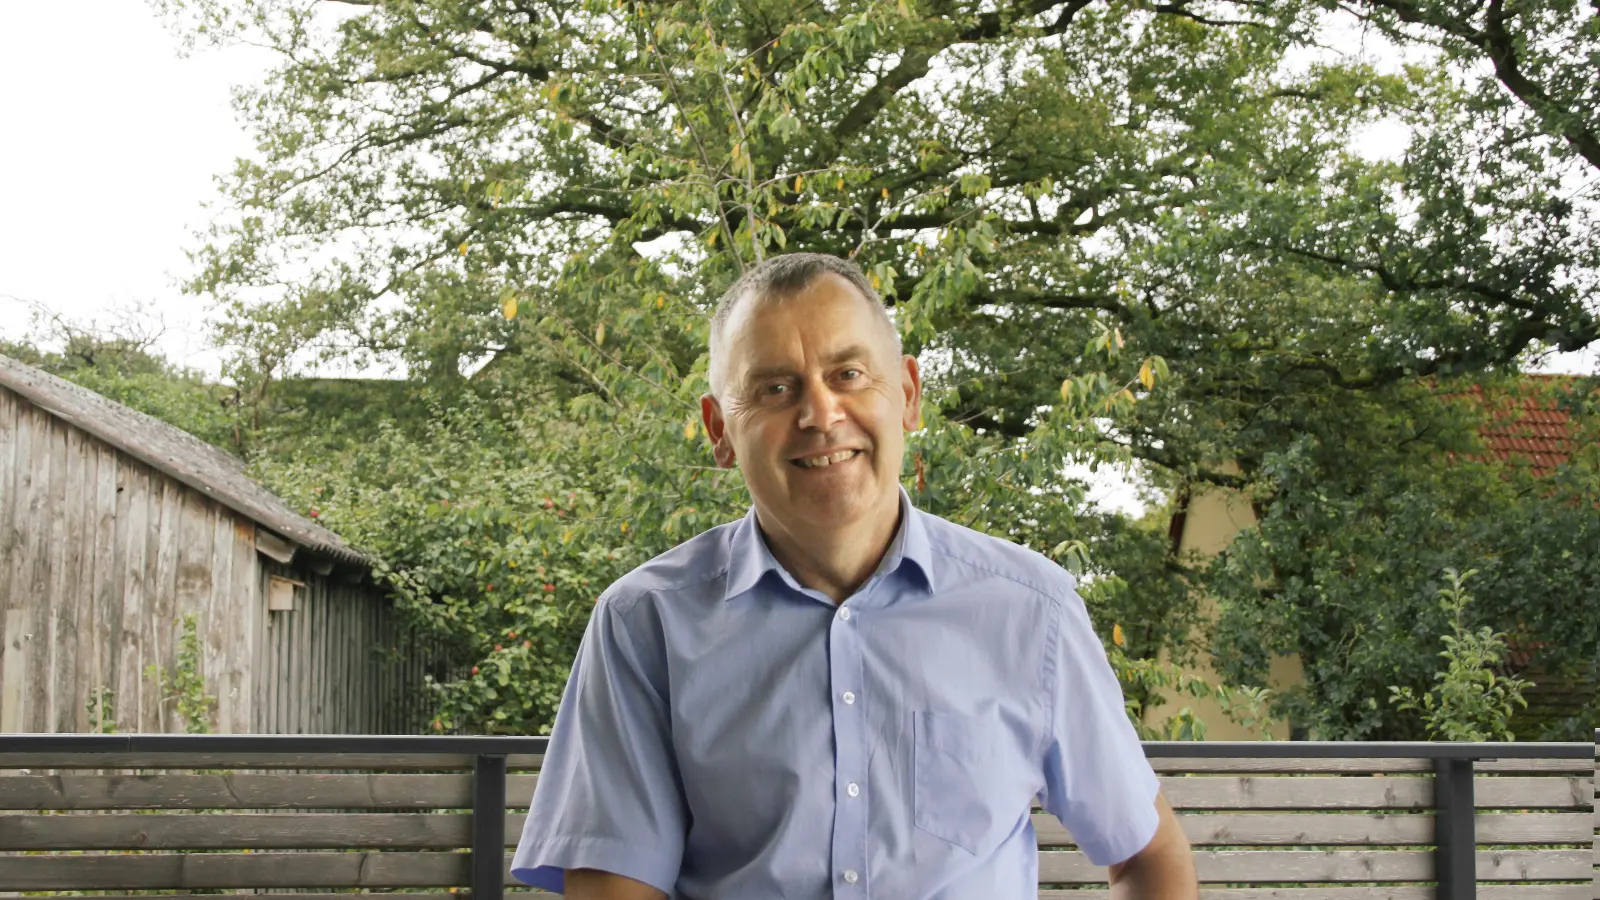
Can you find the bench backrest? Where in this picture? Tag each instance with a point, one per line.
(1271, 829)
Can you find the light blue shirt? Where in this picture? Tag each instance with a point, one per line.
(727, 734)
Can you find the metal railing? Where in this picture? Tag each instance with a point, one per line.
(1455, 838)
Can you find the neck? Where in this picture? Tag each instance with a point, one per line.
(833, 561)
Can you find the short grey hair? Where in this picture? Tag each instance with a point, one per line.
(780, 278)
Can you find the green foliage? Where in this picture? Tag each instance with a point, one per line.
(1343, 568)
(119, 362)
(1144, 681)
(530, 207)
(185, 683)
(102, 709)
(1469, 701)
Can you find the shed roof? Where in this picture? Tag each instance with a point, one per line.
(175, 453)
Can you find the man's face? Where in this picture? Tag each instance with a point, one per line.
(815, 406)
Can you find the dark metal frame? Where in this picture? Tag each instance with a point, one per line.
(1455, 832)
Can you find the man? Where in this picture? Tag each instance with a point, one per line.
(837, 696)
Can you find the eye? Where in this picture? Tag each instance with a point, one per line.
(851, 374)
(774, 389)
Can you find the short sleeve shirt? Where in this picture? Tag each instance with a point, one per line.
(728, 733)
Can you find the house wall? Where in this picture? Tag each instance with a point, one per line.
(1214, 517)
(100, 556)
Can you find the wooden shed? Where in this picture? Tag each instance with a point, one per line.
(115, 527)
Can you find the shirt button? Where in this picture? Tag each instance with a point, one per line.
(853, 789)
(850, 876)
(849, 697)
(845, 613)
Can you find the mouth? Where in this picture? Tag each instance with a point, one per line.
(825, 460)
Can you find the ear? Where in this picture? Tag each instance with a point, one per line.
(716, 430)
(911, 384)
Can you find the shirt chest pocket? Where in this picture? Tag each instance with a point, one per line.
(963, 774)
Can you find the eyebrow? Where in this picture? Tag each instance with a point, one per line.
(854, 351)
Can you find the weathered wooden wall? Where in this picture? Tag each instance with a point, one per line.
(100, 558)
(340, 663)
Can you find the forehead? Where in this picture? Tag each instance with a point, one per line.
(824, 316)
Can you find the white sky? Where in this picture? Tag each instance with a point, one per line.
(111, 149)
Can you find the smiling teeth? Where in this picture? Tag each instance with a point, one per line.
(828, 460)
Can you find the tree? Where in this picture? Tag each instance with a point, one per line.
(120, 360)
(1060, 199)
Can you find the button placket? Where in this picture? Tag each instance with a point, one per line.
(850, 745)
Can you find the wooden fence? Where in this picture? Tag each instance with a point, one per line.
(1269, 821)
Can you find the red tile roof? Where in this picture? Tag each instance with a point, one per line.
(1525, 425)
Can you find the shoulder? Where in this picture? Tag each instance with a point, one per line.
(963, 554)
(695, 567)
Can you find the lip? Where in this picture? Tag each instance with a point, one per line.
(795, 460)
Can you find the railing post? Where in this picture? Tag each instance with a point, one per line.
(1455, 829)
(488, 827)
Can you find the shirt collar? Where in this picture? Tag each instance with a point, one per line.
(750, 560)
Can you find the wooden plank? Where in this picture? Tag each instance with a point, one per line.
(107, 590)
(1247, 866)
(342, 895)
(281, 831)
(1335, 793)
(1376, 765)
(1364, 892)
(220, 616)
(134, 703)
(68, 693)
(164, 598)
(255, 831)
(194, 579)
(1318, 829)
(15, 451)
(79, 590)
(17, 631)
(8, 500)
(281, 791)
(181, 761)
(250, 609)
(235, 870)
(35, 574)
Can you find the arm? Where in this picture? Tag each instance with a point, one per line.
(1164, 869)
(589, 884)
(608, 802)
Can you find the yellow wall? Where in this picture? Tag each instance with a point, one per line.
(1215, 516)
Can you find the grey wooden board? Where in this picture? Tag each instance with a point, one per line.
(279, 791)
(438, 831)
(255, 831)
(1310, 765)
(1369, 892)
(1246, 866)
(1236, 829)
(182, 761)
(408, 869)
(236, 870)
(1333, 792)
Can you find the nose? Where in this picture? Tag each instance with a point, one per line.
(820, 407)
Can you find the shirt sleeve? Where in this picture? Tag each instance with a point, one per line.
(608, 795)
(1097, 780)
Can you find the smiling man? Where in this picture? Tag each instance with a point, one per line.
(838, 696)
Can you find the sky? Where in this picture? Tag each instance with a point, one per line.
(109, 155)
(110, 158)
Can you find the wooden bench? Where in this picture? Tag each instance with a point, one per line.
(109, 813)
